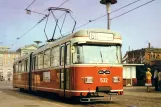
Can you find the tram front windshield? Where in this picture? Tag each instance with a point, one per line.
(92, 54)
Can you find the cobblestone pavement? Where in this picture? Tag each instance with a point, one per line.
(133, 97)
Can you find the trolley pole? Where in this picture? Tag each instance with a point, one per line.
(108, 4)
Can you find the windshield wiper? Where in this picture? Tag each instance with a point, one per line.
(101, 56)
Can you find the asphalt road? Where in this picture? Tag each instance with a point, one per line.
(133, 97)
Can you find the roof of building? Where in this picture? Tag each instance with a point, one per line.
(147, 49)
(8, 52)
(26, 46)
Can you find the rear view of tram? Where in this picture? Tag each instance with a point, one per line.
(96, 65)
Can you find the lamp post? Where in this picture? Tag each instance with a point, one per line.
(37, 42)
(108, 4)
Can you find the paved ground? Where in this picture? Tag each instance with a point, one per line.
(133, 97)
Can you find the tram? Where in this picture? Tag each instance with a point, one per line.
(81, 65)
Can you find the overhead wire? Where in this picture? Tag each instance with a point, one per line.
(18, 38)
(132, 9)
(30, 4)
(113, 12)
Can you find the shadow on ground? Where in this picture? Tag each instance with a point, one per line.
(51, 97)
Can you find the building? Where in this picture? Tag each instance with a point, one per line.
(150, 57)
(129, 74)
(27, 49)
(7, 58)
(6, 63)
(144, 55)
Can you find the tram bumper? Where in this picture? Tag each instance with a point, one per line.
(103, 93)
(98, 98)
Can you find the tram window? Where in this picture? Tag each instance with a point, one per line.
(55, 56)
(40, 60)
(19, 67)
(16, 68)
(23, 66)
(34, 66)
(62, 56)
(68, 55)
(98, 54)
(47, 58)
(27, 61)
(36, 62)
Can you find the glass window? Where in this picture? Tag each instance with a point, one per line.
(19, 67)
(55, 56)
(110, 54)
(40, 60)
(47, 58)
(62, 56)
(16, 67)
(68, 55)
(23, 66)
(34, 63)
(26, 65)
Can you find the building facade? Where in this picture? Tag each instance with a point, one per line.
(6, 63)
(27, 49)
(150, 57)
(145, 55)
(7, 58)
(129, 74)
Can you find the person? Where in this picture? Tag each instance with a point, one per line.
(159, 80)
(148, 79)
(156, 78)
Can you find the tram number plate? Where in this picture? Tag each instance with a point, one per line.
(103, 80)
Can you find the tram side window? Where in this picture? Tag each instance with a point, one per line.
(68, 55)
(55, 56)
(16, 68)
(40, 60)
(23, 66)
(34, 63)
(19, 67)
(47, 58)
(62, 56)
(26, 65)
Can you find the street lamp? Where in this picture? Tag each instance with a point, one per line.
(37, 42)
(28, 11)
(108, 3)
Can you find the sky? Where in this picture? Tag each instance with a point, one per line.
(137, 28)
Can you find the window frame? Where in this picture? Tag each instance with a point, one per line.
(49, 58)
(54, 56)
(40, 66)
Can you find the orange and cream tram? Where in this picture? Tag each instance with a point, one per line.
(82, 64)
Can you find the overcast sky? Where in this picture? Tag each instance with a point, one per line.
(137, 27)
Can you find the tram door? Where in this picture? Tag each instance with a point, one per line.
(65, 71)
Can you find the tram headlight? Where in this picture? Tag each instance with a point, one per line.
(116, 79)
(88, 80)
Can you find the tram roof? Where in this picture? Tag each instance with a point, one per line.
(79, 33)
